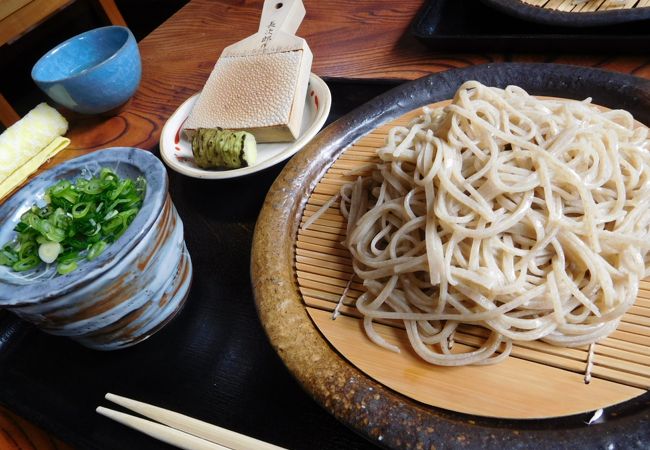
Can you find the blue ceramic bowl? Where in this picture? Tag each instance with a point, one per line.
(129, 291)
(93, 72)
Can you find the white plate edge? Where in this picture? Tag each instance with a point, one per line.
(325, 100)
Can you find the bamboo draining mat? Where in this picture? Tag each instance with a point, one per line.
(589, 5)
(537, 381)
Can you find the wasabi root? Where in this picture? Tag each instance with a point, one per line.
(216, 148)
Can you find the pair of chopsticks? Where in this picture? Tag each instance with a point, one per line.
(179, 430)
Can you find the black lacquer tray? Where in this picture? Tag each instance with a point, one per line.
(212, 362)
(526, 11)
(471, 25)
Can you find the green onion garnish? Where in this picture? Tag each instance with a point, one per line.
(84, 218)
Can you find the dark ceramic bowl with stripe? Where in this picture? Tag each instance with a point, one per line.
(127, 293)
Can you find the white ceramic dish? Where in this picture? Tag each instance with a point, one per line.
(176, 149)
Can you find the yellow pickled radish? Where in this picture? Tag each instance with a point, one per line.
(26, 138)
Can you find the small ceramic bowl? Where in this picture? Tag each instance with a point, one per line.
(93, 72)
(131, 289)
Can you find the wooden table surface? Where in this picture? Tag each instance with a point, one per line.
(361, 39)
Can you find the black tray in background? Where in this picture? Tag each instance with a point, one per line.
(526, 11)
(470, 26)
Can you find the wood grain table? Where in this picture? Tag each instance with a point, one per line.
(353, 40)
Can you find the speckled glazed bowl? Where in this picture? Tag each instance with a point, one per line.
(93, 72)
(386, 417)
(127, 293)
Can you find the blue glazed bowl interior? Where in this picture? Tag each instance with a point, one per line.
(80, 53)
(91, 73)
(127, 162)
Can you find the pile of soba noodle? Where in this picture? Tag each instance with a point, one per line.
(525, 218)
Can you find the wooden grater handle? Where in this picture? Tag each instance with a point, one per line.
(282, 15)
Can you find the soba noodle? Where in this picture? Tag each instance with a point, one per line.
(524, 218)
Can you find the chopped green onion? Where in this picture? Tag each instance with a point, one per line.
(80, 209)
(111, 214)
(80, 221)
(27, 263)
(26, 249)
(49, 251)
(66, 267)
(7, 257)
(96, 249)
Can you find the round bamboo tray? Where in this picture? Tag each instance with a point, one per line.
(539, 380)
(578, 6)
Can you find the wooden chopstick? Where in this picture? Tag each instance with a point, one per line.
(161, 432)
(185, 432)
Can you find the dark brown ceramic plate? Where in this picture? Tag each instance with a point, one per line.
(526, 11)
(383, 416)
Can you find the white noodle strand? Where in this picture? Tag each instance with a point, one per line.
(526, 217)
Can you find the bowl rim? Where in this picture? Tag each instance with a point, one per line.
(17, 294)
(41, 61)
